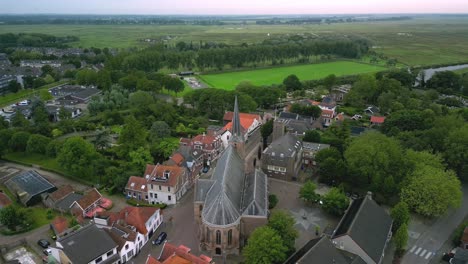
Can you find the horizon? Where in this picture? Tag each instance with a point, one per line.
(240, 7)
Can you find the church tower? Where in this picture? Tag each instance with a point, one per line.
(237, 137)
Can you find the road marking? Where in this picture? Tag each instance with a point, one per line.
(429, 254)
(412, 249)
(422, 253)
(417, 251)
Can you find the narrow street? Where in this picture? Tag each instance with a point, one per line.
(427, 237)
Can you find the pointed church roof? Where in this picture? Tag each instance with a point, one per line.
(236, 123)
(223, 200)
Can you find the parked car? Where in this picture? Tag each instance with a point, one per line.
(356, 117)
(43, 243)
(158, 241)
(205, 169)
(47, 251)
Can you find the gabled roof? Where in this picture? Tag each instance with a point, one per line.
(319, 250)
(89, 198)
(29, 184)
(137, 217)
(287, 115)
(137, 184)
(172, 254)
(65, 203)
(286, 145)
(155, 174)
(86, 244)
(151, 260)
(368, 225)
(377, 119)
(204, 139)
(59, 224)
(223, 200)
(255, 199)
(178, 158)
(61, 192)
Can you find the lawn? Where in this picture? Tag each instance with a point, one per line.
(43, 161)
(270, 76)
(424, 40)
(23, 94)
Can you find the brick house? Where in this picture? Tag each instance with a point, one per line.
(283, 158)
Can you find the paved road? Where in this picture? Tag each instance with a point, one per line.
(427, 237)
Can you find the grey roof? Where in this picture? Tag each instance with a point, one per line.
(286, 145)
(314, 146)
(223, 200)
(255, 199)
(236, 126)
(86, 244)
(203, 186)
(461, 256)
(28, 185)
(65, 203)
(86, 94)
(368, 225)
(287, 115)
(319, 250)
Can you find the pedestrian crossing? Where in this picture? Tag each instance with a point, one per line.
(421, 252)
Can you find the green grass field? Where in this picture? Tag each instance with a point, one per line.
(420, 41)
(270, 76)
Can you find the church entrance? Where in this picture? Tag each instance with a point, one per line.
(218, 251)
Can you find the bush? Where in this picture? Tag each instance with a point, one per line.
(272, 201)
(458, 233)
(134, 202)
(37, 144)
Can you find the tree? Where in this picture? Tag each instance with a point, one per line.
(307, 192)
(45, 95)
(19, 141)
(283, 223)
(431, 191)
(3, 123)
(5, 136)
(140, 157)
(292, 83)
(364, 91)
(456, 152)
(264, 246)
(175, 85)
(132, 137)
(401, 237)
(324, 154)
(332, 171)
(79, 157)
(12, 216)
(312, 136)
(37, 144)
(400, 215)
(272, 201)
(329, 81)
(13, 86)
(19, 120)
(335, 202)
(266, 131)
(163, 149)
(159, 130)
(373, 157)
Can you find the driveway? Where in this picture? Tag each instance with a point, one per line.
(428, 236)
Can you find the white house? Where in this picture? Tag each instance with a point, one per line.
(249, 123)
(166, 184)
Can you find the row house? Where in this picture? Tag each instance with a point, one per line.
(160, 184)
(250, 125)
(87, 205)
(211, 147)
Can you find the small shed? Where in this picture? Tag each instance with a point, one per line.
(28, 187)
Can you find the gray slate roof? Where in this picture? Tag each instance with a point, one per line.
(203, 186)
(65, 203)
(368, 225)
(223, 200)
(86, 244)
(287, 145)
(319, 250)
(314, 146)
(28, 185)
(255, 200)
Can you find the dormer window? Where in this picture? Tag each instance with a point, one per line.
(166, 174)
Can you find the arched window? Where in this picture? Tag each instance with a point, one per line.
(230, 237)
(208, 235)
(218, 237)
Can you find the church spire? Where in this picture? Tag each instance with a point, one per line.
(236, 125)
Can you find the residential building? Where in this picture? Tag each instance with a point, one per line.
(338, 93)
(40, 63)
(321, 250)
(372, 110)
(249, 124)
(59, 226)
(282, 159)
(87, 245)
(28, 187)
(211, 146)
(172, 254)
(131, 228)
(310, 150)
(62, 199)
(87, 205)
(166, 184)
(377, 120)
(5, 81)
(234, 202)
(364, 230)
(136, 188)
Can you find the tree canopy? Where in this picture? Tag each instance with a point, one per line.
(265, 246)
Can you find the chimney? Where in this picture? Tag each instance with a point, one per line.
(369, 195)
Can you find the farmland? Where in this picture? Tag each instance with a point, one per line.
(420, 41)
(269, 76)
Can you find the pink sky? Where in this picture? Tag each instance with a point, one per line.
(232, 7)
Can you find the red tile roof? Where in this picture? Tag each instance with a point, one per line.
(4, 200)
(151, 260)
(177, 158)
(327, 113)
(377, 119)
(228, 116)
(204, 139)
(135, 183)
(158, 172)
(137, 216)
(61, 192)
(60, 224)
(180, 255)
(89, 198)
